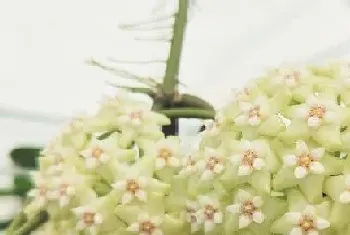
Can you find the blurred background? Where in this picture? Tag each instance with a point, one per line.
(44, 80)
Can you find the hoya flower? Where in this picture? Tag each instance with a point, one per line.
(147, 225)
(240, 95)
(248, 208)
(167, 151)
(63, 190)
(41, 192)
(290, 77)
(134, 116)
(305, 160)
(212, 127)
(95, 154)
(209, 213)
(89, 219)
(317, 110)
(189, 165)
(345, 196)
(253, 113)
(306, 222)
(132, 186)
(212, 164)
(250, 157)
(192, 208)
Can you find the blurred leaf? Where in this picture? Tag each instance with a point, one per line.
(25, 157)
(22, 184)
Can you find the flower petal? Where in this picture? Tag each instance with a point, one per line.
(258, 217)
(119, 185)
(345, 197)
(347, 180)
(296, 231)
(174, 162)
(127, 197)
(244, 170)
(317, 153)
(331, 117)
(313, 121)
(301, 147)
(316, 167)
(218, 218)
(294, 217)
(209, 225)
(257, 201)
(236, 159)
(234, 209)
(207, 175)
(64, 201)
(309, 211)
(254, 121)
(244, 221)
(91, 162)
(141, 195)
(301, 112)
(104, 158)
(218, 168)
(300, 172)
(290, 160)
(80, 225)
(243, 195)
(98, 218)
(313, 232)
(322, 224)
(157, 231)
(258, 163)
(134, 227)
(241, 120)
(160, 163)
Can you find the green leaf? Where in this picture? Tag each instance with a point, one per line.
(25, 157)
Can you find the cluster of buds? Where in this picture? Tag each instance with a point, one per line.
(274, 161)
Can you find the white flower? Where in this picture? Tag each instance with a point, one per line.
(133, 186)
(345, 196)
(212, 127)
(63, 191)
(167, 152)
(212, 164)
(147, 225)
(89, 219)
(41, 192)
(305, 160)
(253, 113)
(248, 207)
(306, 222)
(242, 95)
(317, 110)
(290, 77)
(189, 166)
(250, 157)
(134, 115)
(191, 215)
(209, 212)
(95, 154)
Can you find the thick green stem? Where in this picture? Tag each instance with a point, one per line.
(173, 62)
(188, 113)
(33, 223)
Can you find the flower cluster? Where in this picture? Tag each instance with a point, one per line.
(273, 161)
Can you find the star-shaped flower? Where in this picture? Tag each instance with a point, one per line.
(317, 110)
(209, 212)
(147, 225)
(250, 158)
(306, 222)
(132, 186)
(42, 191)
(89, 219)
(167, 151)
(345, 196)
(189, 165)
(252, 114)
(63, 190)
(305, 160)
(95, 155)
(192, 208)
(248, 207)
(290, 77)
(212, 164)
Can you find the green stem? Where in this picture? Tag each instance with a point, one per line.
(33, 223)
(173, 61)
(188, 113)
(16, 223)
(188, 100)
